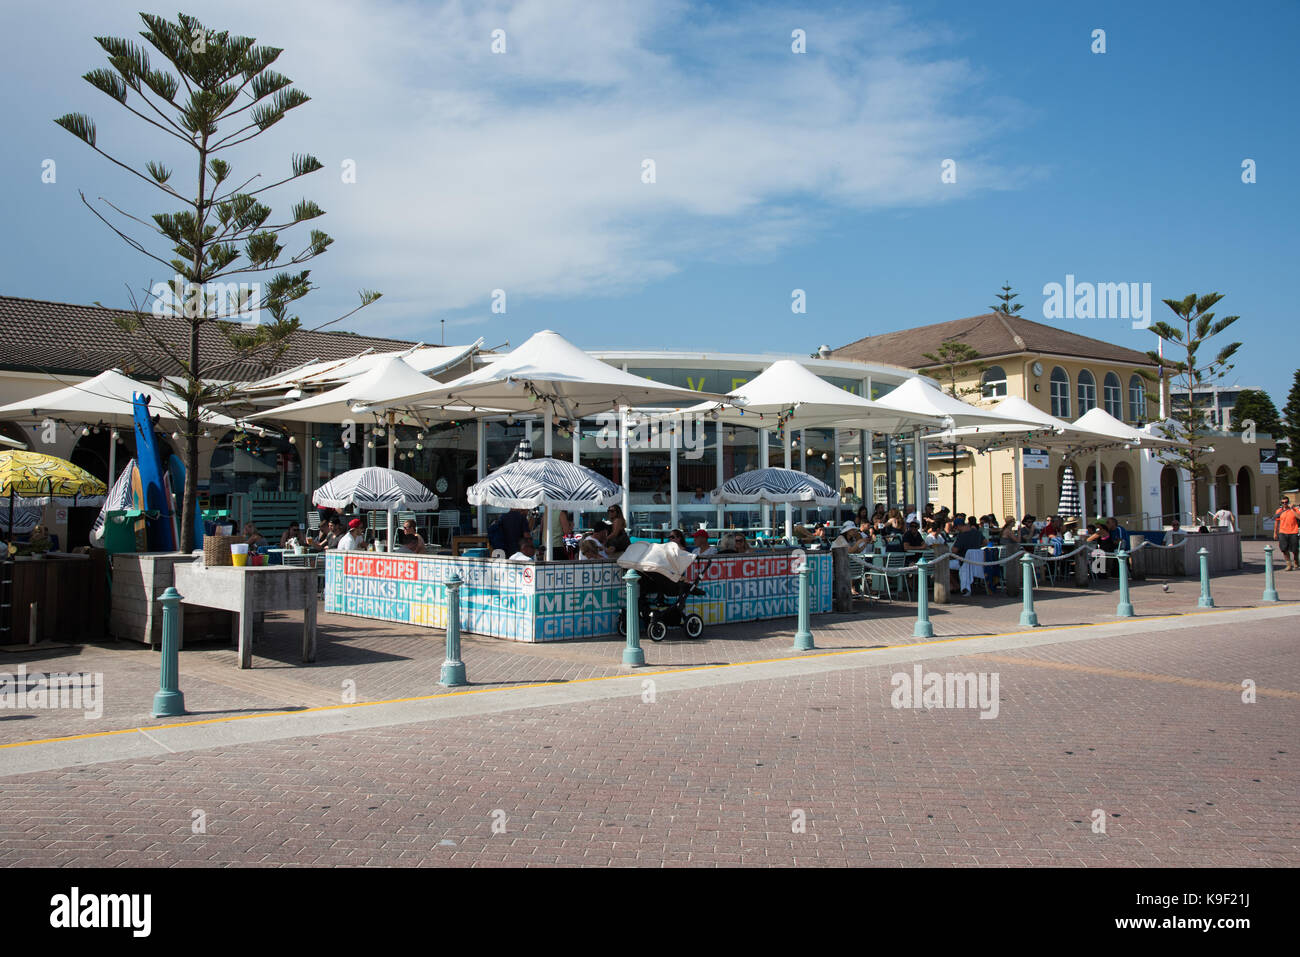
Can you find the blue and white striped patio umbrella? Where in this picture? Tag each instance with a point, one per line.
(1070, 504)
(774, 486)
(119, 499)
(529, 483)
(374, 489)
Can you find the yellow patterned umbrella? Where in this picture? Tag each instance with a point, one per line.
(36, 479)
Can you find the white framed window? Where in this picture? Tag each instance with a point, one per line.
(1137, 399)
(993, 383)
(1112, 396)
(1060, 393)
(880, 490)
(933, 485)
(1087, 392)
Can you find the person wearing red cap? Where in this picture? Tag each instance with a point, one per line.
(701, 540)
(355, 539)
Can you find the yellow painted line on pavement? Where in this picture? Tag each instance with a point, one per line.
(632, 674)
(1152, 676)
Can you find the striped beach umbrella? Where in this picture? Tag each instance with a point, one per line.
(1070, 505)
(555, 483)
(774, 486)
(374, 489)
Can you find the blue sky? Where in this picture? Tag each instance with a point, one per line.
(775, 171)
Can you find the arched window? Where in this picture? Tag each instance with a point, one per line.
(934, 487)
(1060, 393)
(880, 491)
(1112, 396)
(1137, 399)
(1087, 392)
(993, 384)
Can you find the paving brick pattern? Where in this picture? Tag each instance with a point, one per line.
(1150, 729)
(379, 661)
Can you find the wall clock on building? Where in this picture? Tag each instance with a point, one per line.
(441, 486)
(1037, 368)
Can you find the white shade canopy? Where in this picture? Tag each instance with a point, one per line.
(787, 393)
(107, 398)
(391, 385)
(426, 359)
(918, 396)
(1036, 426)
(547, 368)
(374, 489)
(1100, 422)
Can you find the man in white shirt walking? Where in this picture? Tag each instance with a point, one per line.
(1225, 519)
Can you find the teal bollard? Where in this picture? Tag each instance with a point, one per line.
(169, 701)
(922, 628)
(1028, 617)
(1270, 588)
(1125, 607)
(453, 669)
(1205, 601)
(633, 656)
(803, 638)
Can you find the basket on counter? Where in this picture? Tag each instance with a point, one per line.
(216, 549)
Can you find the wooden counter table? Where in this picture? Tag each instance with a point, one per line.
(248, 592)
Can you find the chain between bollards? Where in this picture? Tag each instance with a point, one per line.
(1270, 588)
(803, 638)
(1125, 607)
(453, 669)
(633, 656)
(1028, 617)
(169, 701)
(1205, 601)
(922, 628)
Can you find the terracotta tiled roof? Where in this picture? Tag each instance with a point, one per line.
(991, 335)
(41, 336)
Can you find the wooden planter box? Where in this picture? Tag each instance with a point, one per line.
(138, 581)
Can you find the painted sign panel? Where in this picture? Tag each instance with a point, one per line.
(1035, 458)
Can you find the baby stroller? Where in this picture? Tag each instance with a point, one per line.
(664, 590)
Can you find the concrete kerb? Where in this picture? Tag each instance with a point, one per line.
(97, 748)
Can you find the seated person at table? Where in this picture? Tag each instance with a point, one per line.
(510, 527)
(913, 541)
(935, 535)
(527, 551)
(801, 534)
(417, 540)
(1118, 534)
(1009, 533)
(726, 545)
(330, 533)
(678, 538)
(292, 532)
(741, 543)
(1175, 533)
(1026, 529)
(969, 537)
(355, 539)
(700, 542)
(403, 542)
(850, 537)
(618, 539)
(597, 536)
(589, 550)
(252, 536)
(1099, 537)
(699, 498)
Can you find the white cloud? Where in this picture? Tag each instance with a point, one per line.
(522, 171)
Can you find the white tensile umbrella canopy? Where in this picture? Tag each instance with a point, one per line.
(106, 398)
(1101, 422)
(555, 483)
(919, 397)
(390, 385)
(426, 359)
(374, 489)
(774, 486)
(547, 368)
(1043, 429)
(790, 390)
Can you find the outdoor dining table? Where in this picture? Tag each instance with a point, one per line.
(248, 592)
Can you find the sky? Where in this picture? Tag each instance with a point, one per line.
(519, 178)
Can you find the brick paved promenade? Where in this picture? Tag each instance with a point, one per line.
(1141, 721)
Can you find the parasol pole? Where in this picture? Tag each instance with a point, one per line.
(1016, 460)
(789, 509)
(392, 453)
(112, 454)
